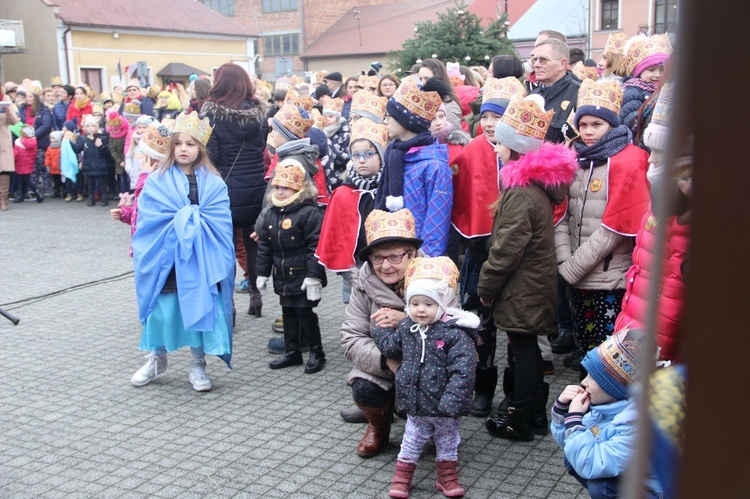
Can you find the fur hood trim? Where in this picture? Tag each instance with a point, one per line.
(551, 166)
(463, 318)
(240, 116)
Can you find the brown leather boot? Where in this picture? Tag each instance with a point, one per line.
(378, 430)
(4, 191)
(401, 481)
(447, 479)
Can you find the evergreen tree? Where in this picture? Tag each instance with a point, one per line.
(456, 34)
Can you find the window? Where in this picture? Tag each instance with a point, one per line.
(223, 7)
(93, 78)
(609, 14)
(270, 6)
(281, 45)
(665, 16)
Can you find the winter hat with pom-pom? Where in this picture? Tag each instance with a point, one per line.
(155, 141)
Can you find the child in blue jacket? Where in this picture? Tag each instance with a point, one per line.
(595, 423)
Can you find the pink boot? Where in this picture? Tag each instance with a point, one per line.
(401, 482)
(447, 479)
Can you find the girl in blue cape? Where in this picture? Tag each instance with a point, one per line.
(184, 257)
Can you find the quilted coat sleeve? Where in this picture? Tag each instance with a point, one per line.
(389, 340)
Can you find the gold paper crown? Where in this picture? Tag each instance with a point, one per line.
(423, 104)
(290, 118)
(369, 102)
(289, 173)
(154, 140)
(114, 120)
(606, 94)
(640, 49)
(97, 108)
(384, 224)
(264, 84)
(527, 118)
(440, 268)
(318, 120)
(104, 96)
(89, 119)
(365, 81)
(369, 130)
(305, 102)
(36, 87)
(284, 83)
(56, 81)
(616, 44)
(199, 129)
(503, 88)
(132, 107)
(585, 72)
(333, 105)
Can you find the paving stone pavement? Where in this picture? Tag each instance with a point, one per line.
(72, 425)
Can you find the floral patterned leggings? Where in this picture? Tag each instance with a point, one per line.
(419, 429)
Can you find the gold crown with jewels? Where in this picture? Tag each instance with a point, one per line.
(606, 94)
(503, 88)
(370, 103)
(440, 268)
(528, 118)
(369, 130)
(191, 124)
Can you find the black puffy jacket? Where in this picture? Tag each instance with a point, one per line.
(95, 160)
(288, 238)
(239, 139)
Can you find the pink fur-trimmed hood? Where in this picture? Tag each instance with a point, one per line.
(552, 167)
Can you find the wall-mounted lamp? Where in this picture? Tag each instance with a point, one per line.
(115, 35)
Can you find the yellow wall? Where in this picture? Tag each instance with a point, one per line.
(101, 49)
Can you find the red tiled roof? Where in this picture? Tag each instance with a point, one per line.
(384, 28)
(162, 15)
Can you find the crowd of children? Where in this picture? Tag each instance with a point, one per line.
(512, 210)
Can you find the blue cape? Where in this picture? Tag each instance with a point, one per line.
(195, 239)
(68, 161)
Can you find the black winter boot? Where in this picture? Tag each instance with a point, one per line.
(317, 359)
(539, 420)
(564, 343)
(509, 383)
(515, 425)
(276, 344)
(292, 355)
(484, 391)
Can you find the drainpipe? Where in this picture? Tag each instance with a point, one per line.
(301, 45)
(67, 44)
(62, 53)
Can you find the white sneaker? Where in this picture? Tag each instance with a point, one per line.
(198, 378)
(155, 366)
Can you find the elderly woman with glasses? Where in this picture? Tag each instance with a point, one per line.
(377, 300)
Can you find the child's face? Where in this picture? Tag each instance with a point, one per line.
(438, 122)
(107, 105)
(653, 73)
(331, 119)
(283, 193)
(395, 130)
(656, 157)
(503, 153)
(186, 150)
(141, 129)
(275, 138)
(91, 128)
(592, 129)
(597, 396)
(423, 309)
(365, 158)
(489, 121)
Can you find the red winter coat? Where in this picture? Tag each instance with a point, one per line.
(25, 158)
(640, 277)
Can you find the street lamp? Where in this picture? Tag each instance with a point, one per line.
(255, 60)
(419, 61)
(356, 16)
(467, 58)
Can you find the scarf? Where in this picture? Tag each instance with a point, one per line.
(442, 134)
(357, 181)
(283, 203)
(332, 130)
(81, 105)
(391, 189)
(648, 86)
(610, 144)
(398, 287)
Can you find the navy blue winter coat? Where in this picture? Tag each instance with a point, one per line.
(436, 376)
(632, 98)
(236, 148)
(95, 159)
(59, 113)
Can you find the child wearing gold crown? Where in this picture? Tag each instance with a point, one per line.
(338, 133)
(595, 422)
(519, 278)
(607, 201)
(436, 345)
(93, 146)
(184, 257)
(288, 229)
(416, 174)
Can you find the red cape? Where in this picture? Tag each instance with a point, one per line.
(628, 195)
(476, 185)
(340, 230)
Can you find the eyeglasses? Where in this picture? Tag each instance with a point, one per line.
(542, 60)
(359, 156)
(394, 259)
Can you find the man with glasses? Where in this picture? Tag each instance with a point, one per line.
(549, 59)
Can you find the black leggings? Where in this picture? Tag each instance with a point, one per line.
(528, 360)
(251, 255)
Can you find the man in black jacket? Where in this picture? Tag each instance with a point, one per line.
(560, 91)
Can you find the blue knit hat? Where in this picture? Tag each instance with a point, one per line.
(614, 363)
